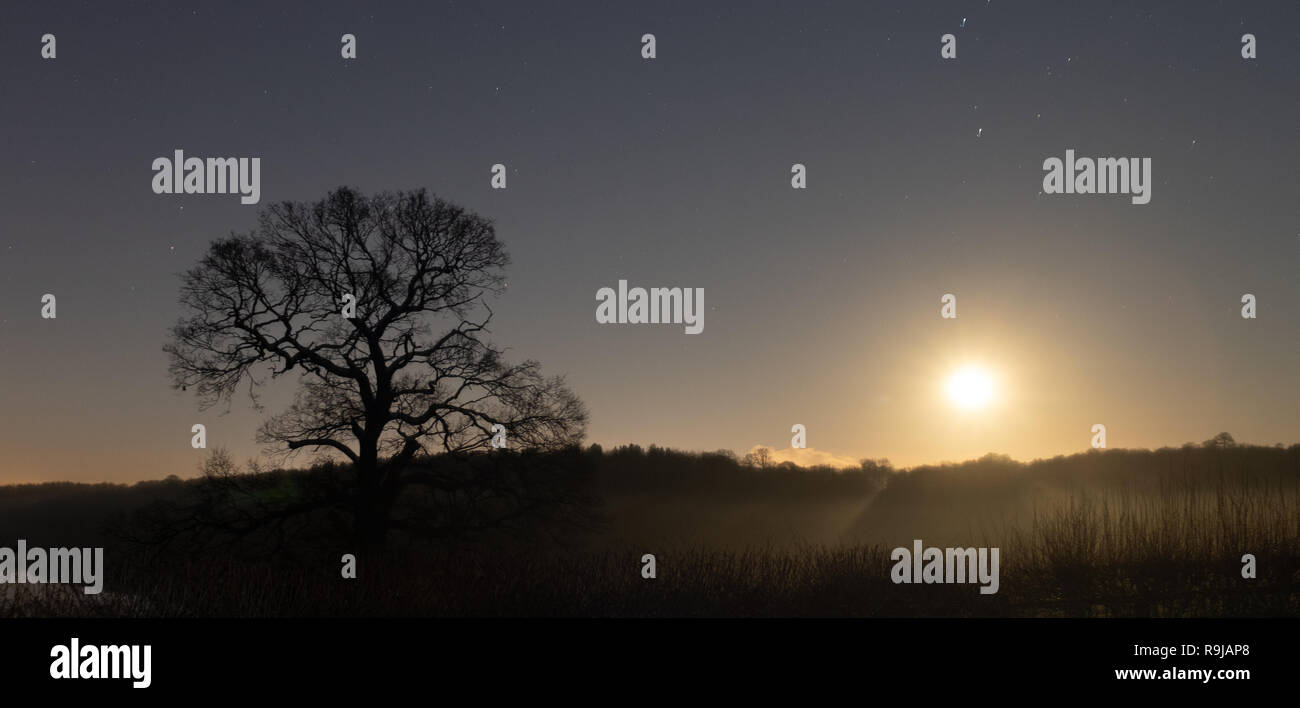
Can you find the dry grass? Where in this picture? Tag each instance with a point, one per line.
(1137, 545)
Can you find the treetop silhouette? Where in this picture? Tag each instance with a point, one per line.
(410, 373)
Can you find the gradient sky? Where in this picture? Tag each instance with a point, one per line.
(822, 304)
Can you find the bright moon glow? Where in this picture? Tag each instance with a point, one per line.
(970, 388)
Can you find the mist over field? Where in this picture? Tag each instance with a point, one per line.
(1104, 533)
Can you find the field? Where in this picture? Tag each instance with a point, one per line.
(1106, 533)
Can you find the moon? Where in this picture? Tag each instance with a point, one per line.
(970, 388)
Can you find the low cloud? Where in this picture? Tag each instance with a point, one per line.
(805, 457)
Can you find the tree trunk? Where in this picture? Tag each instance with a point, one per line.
(373, 505)
(372, 521)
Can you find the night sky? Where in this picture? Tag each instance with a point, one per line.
(822, 305)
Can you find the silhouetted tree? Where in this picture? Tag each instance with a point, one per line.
(1221, 440)
(409, 375)
(759, 457)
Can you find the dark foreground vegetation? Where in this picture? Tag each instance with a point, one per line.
(1105, 533)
